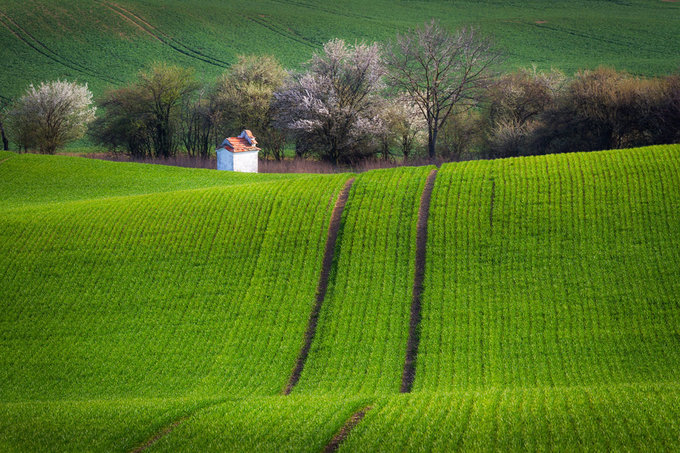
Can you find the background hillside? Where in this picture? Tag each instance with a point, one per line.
(105, 43)
(550, 312)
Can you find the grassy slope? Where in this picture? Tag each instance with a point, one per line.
(145, 299)
(44, 39)
(30, 179)
(558, 328)
(569, 282)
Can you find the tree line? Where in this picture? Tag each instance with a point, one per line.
(427, 92)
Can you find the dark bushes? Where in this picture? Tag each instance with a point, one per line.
(600, 109)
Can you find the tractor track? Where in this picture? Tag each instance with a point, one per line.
(286, 34)
(301, 4)
(159, 435)
(143, 25)
(333, 229)
(409, 374)
(349, 425)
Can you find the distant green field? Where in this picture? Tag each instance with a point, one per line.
(139, 298)
(106, 43)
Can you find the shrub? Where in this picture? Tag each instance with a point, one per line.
(333, 107)
(51, 115)
(516, 103)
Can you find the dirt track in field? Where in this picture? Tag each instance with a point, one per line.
(339, 438)
(159, 435)
(322, 286)
(409, 374)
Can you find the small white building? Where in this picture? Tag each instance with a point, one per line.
(238, 153)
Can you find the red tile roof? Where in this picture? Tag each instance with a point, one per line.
(239, 145)
(249, 135)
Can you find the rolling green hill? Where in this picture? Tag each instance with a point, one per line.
(105, 43)
(147, 306)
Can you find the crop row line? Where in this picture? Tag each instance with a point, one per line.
(30, 40)
(163, 37)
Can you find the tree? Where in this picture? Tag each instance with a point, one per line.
(52, 115)
(460, 135)
(3, 118)
(516, 103)
(244, 97)
(125, 124)
(163, 88)
(403, 126)
(334, 106)
(144, 117)
(443, 73)
(198, 120)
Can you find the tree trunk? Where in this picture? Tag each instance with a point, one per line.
(405, 146)
(431, 143)
(5, 141)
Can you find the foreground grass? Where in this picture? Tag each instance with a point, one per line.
(148, 295)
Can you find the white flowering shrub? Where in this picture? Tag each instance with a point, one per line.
(335, 105)
(51, 115)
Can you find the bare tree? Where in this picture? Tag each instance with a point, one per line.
(443, 73)
(334, 106)
(52, 114)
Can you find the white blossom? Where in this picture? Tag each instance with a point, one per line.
(55, 113)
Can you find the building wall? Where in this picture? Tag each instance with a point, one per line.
(225, 160)
(246, 162)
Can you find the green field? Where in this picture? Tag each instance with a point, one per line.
(106, 43)
(141, 297)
